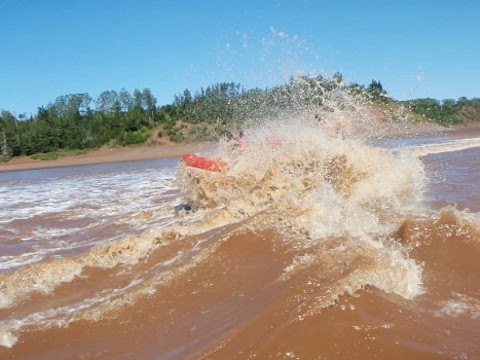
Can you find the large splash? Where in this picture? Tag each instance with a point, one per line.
(314, 178)
(301, 167)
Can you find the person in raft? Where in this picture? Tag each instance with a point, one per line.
(334, 129)
(237, 141)
(210, 164)
(240, 142)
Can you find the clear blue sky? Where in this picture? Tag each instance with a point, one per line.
(416, 48)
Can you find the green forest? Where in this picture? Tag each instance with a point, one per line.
(76, 122)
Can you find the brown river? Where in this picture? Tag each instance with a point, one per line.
(309, 247)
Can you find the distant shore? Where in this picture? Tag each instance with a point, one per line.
(149, 152)
(104, 155)
(470, 130)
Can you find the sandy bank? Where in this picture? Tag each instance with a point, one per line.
(104, 155)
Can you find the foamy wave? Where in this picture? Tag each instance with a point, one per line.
(64, 315)
(460, 305)
(395, 272)
(315, 186)
(8, 262)
(106, 302)
(7, 338)
(453, 145)
(63, 214)
(46, 276)
(42, 277)
(322, 184)
(338, 267)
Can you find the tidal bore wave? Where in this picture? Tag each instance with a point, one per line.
(311, 244)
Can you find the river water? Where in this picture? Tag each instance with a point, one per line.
(315, 247)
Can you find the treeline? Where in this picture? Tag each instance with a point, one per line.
(229, 102)
(447, 112)
(77, 121)
(226, 103)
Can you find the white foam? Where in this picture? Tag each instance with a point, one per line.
(312, 184)
(448, 146)
(73, 210)
(7, 339)
(460, 305)
(10, 262)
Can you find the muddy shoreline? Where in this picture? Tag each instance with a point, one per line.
(104, 155)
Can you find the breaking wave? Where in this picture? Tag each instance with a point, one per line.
(308, 222)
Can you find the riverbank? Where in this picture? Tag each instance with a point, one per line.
(466, 130)
(165, 150)
(104, 155)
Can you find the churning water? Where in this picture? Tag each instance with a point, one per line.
(315, 243)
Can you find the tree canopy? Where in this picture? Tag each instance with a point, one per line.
(78, 121)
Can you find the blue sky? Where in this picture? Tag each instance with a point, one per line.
(415, 48)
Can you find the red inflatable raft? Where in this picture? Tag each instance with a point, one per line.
(204, 163)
